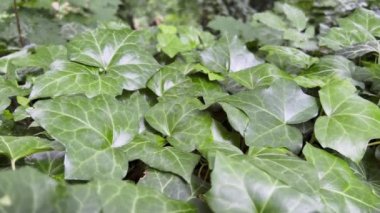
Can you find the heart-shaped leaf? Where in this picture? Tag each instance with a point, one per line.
(275, 107)
(91, 130)
(350, 120)
(117, 53)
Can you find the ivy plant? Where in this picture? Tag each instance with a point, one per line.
(176, 118)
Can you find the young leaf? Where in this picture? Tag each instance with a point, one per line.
(275, 107)
(350, 120)
(91, 130)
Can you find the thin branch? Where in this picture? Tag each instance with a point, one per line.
(374, 143)
(20, 38)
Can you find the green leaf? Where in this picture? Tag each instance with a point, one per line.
(92, 130)
(26, 186)
(350, 120)
(288, 58)
(72, 78)
(117, 53)
(327, 69)
(50, 163)
(172, 41)
(9, 89)
(295, 15)
(166, 183)
(101, 10)
(18, 147)
(163, 158)
(181, 122)
(117, 196)
(276, 107)
(45, 57)
(261, 75)
(360, 49)
(165, 79)
(271, 20)
(345, 193)
(228, 55)
(360, 27)
(239, 185)
(231, 26)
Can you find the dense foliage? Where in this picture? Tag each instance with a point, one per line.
(190, 106)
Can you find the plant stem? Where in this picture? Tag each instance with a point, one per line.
(20, 38)
(13, 165)
(374, 143)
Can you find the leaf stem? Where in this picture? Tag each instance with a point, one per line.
(374, 143)
(20, 38)
(13, 165)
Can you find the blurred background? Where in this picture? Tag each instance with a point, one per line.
(49, 21)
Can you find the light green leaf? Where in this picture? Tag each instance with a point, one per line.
(288, 58)
(271, 20)
(350, 120)
(72, 79)
(275, 107)
(296, 16)
(117, 53)
(360, 27)
(261, 75)
(18, 147)
(341, 189)
(181, 122)
(362, 19)
(228, 55)
(92, 130)
(327, 69)
(163, 158)
(229, 25)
